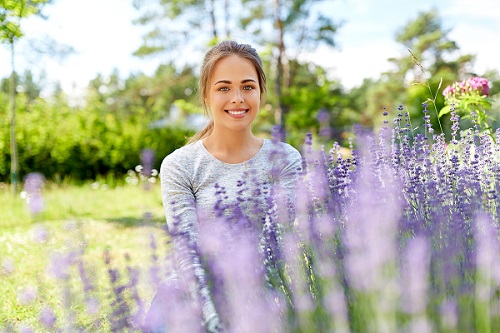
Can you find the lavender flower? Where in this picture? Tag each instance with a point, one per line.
(414, 288)
(39, 233)
(27, 295)
(26, 329)
(448, 313)
(7, 266)
(59, 264)
(47, 317)
(147, 160)
(278, 133)
(33, 186)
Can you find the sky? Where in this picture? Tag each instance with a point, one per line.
(104, 38)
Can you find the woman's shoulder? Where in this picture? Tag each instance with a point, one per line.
(182, 156)
(282, 148)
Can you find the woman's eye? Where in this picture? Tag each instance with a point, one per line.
(247, 88)
(223, 89)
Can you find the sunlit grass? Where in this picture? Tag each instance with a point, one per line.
(125, 204)
(85, 219)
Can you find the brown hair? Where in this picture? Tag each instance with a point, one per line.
(216, 53)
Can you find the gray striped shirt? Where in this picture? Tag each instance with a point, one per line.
(196, 186)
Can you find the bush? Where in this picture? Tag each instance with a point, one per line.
(82, 144)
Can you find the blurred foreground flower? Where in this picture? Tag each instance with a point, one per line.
(147, 160)
(33, 184)
(47, 317)
(27, 295)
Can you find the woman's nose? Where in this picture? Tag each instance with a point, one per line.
(237, 97)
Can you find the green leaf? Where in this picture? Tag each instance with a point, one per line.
(444, 110)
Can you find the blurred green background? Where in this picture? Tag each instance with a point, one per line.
(103, 134)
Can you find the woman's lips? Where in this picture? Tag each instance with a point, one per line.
(237, 113)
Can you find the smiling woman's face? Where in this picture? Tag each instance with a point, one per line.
(233, 95)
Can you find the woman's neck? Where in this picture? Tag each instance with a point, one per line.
(234, 147)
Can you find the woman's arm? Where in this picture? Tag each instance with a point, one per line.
(290, 169)
(180, 210)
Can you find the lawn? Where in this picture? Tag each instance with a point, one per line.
(55, 261)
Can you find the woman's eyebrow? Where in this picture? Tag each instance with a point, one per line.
(229, 82)
(222, 81)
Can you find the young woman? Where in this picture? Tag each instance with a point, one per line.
(225, 170)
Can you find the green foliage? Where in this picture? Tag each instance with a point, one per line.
(430, 62)
(172, 24)
(316, 105)
(301, 26)
(11, 13)
(82, 143)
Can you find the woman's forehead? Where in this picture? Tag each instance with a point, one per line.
(234, 68)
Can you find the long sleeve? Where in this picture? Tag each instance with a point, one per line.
(288, 179)
(286, 167)
(180, 210)
(288, 164)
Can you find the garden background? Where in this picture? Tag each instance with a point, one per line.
(95, 201)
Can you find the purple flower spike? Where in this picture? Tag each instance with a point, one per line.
(448, 312)
(27, 295)
(92, 305)
(33, 186)
(7, 266)
(47, 317)
(59, 265)
(34, 182)
(278, 133)
(323, 116)
(39, 234)
(147, 160)
(36, 203)
(26, 329)
(416, 268)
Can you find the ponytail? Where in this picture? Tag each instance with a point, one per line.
(203, 133)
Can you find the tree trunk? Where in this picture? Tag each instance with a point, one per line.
(279, 115)
(14, 164)
(226, 19)
(213, 20)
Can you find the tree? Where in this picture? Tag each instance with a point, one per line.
(296, 26)
(317, 105)
(430, 61)
(142, 96)
(173, 24)
(282, 28)
(11, 14)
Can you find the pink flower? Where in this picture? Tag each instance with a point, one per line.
(473, 85)
(448, 91)
(479, 84)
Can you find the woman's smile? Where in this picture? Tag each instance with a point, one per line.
(237, 113)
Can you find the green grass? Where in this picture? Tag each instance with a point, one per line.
(90, 222)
